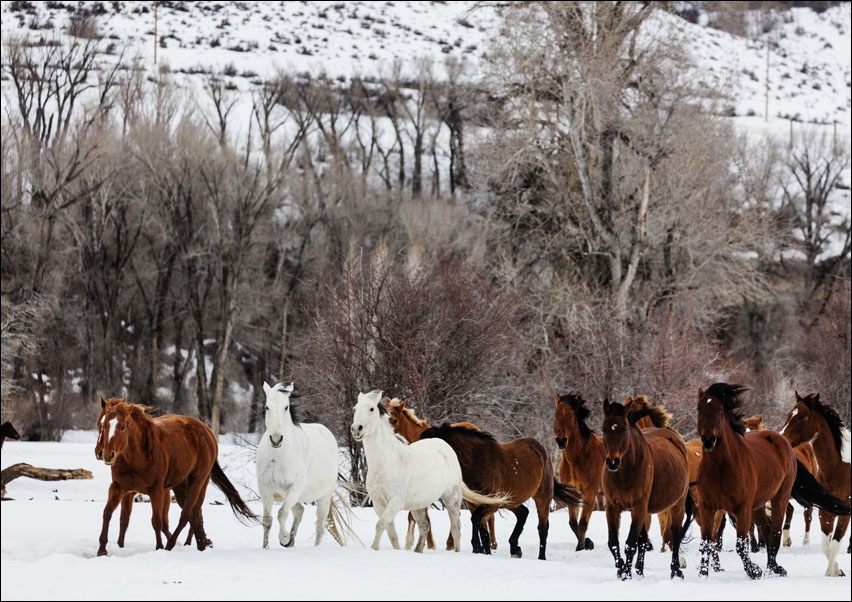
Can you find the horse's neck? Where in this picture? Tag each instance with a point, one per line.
(588, 446)
(825, 451)
(382, 448)
(638, 449)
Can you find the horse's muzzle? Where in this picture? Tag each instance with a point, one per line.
(357, 431)
(109, 461)
(613, 464)
(561, 442)
(708, 443)
(276, 444)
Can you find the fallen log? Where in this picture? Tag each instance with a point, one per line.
(23, 469)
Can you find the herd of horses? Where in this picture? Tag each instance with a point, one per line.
(733, 471)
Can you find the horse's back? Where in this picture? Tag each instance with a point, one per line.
(773, 463)
(190, 445)
(671, 467)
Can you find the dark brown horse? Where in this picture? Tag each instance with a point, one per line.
(520, 468)
(8, 432)
(406, 423)
(582, 459)
(645, 471)
(155, 455)
(741, 471)
(817, 422)
(129, 498)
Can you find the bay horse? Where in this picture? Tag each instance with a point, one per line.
(409, 476)
(811, 420)
(155, 455)
(7, 431)
(582, 459)
(741, 471)
(645, 471)
(521, 468)
(297, 463)
(129, 498)
(406, 423)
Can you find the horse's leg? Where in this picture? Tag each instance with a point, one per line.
(742, 547)
(706, 518)
(809, 515)
(583, 542)
(613, 522)
(323, 508)
(430, 541)
(719, 520)
(424, 526)
(190, 513)
(772, 533)
(831, 541)
(156, 496)
(492, 534)
(636, 545)
(521, 512)
(453, 504)
(266, 519)
(785, 530)
(477, 514)
(543, 510)
(409, 533)
(283, 516)
(124, 520)
(676, 516)
(385, 523)
(298, 512)
(114, 497)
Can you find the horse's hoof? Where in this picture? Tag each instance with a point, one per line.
(779, 571)
(517, 553)
(590, 545)
(102, 552)
(755, 574)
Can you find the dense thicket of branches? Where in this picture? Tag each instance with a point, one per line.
(571, 222)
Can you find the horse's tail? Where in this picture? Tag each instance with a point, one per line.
(480, 499)
(238, 506)
(809, 492)
(338, 511)
(566, 494)
(688, 516)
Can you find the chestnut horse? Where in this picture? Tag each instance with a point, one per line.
(645, 471)
(130, 496)
(521, 468)
(406, 423)
(817, 422)
(582, 460)
(741, 471)
(153, 455)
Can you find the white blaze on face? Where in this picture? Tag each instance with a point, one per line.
(112, 425)
(792, 415)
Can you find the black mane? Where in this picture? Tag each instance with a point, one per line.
(729, 395)
(578, 404)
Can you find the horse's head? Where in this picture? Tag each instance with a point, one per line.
(116, 427)
(569, 418)
(403, 420)
(9, 432)
(369, 411)
(278, 411)
(99, 444)
(803, 421)
(616, 433)
(754, 423)
(718, 406)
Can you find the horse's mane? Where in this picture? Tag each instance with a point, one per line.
(729, 395)
(295, 411)
(835, 423)
(660, 417)
(449, 429)
(398, 403)
(576, 401)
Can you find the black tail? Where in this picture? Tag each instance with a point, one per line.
(567, 494)
(808, 492)
(688, 516)
(238, 506)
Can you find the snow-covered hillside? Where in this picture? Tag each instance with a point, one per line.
(800, 70)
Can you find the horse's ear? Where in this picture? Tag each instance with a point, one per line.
(700, 394)
(103, 402)
(798, 397)
(288, 387)
(606, 404)
(266, 387)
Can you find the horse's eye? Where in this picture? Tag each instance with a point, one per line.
(286, 408)
(372, 409)
(265, 408)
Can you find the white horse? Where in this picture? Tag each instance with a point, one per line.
(296, 463)
(409, 477)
